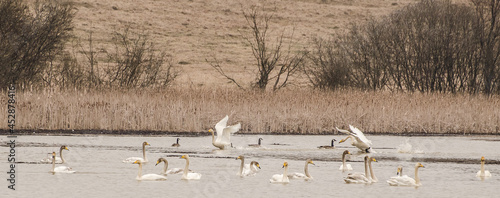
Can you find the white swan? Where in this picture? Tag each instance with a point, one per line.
(358, 178)
(186, 174)
(305, 176)
(223, 133)
(59, 169)
(405, 180)
(147, 177)
(328, 147)
(345, 167)
(483, 173)
(256, 145)
(59, 160)
(143, 159)
(372, 175)
(358, 139)
(247, 169)
(165, 170)
(177, 143)
(281, 178)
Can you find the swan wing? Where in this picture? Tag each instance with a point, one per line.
(49, 160)
(226, 133)
(276, 178)
(193, 176)
(175, 171)
(359, 135)
(486, 174)
(297, 176)
(219, 127)
(401, 181)
(152, 177)
(133, 159)
(348, 167)
(343, 131)
(356, 178)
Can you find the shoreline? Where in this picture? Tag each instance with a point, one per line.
(46, 132)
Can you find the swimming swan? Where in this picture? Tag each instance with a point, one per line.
(281, 178)
(147, 177)
(165, 167)
(305, 176)
(176, 144)
(372, 175)
(328, 147)
(59, 169)
(256, 145)
(358, 139)
(143, 159)
(59, 160)
(247, 169)
(483, 173)
(223, 133)
(186, 174)
(359, 178)
(345, 167)
(405, 180)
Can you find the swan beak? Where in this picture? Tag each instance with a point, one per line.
(258, 165)
(66, 148)
(285, 164)
(422, 166)
(374, 160)
(238, 158)
(183, 157)
(313, 163)
(157, 162)
(482, 159)
(341, 141)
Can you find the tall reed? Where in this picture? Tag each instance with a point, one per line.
(285, 112)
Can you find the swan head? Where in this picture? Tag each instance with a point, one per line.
(346, 152)
(211, 131)
(400, 169)
(146, 144)
(257, 164)
(342, 140)
(373, 159)
(64, 147)
(309, 161)
(285, 164)
(367, 158)
(418, 165)
(53, 154)
(161, 159)
(185, 157)
(240, 157)
(482, 159)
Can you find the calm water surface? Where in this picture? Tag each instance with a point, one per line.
(450, 164)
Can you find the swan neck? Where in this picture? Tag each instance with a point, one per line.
(374, 178)
(343, 161)
(482, 167)
(53, 164)
(285, 174)
(306, 169)
(61, 155)
(417, 179)
(366, 169)
(186, 168)
(213, 138)
(241, 166)
(144, 152)
(165, 167)
(139, 174)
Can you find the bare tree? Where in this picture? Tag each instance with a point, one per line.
(273, 62)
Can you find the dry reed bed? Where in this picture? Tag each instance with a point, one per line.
(287, 111)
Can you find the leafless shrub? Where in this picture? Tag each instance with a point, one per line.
(31, 38)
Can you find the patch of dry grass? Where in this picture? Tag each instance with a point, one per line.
(286, 111)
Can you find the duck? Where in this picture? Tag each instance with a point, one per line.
(177, 143)
(328, 147)
(223, 133)
(256, 145)
(358, 139)
(143, 159)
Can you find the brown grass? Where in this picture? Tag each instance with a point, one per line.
(287, 111)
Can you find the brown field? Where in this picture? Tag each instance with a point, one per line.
(287, 111)
(194, 30)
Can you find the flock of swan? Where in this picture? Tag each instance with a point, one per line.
(223, 140)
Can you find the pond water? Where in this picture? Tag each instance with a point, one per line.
(450, 164)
